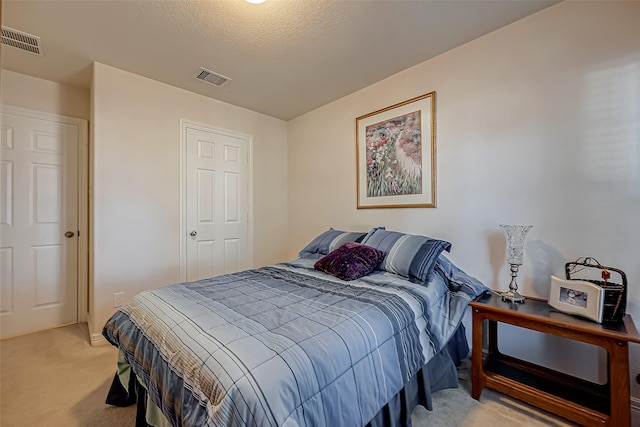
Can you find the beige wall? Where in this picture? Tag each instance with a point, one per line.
(135, 134)
(19, 90)
(537, 123)
(136, 194)
(24, 91)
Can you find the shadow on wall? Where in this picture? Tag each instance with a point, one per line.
(497, 252)
(544, 261)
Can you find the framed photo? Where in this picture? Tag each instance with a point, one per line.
(577, 297)
(396, 155)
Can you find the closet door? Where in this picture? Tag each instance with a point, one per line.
(217, 200)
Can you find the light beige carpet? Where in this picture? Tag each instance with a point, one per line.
(56, 378)
(455, 407)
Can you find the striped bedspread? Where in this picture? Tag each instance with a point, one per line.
(284, 345)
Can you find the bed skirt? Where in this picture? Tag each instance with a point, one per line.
(438, 374)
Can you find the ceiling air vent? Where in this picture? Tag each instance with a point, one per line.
(20, 40)
(212, 78)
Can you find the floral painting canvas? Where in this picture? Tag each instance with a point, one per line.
(396, 155)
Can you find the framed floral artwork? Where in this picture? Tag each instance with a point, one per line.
(396, 155)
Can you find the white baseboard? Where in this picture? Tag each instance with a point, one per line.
(96, 338)
(635, 407)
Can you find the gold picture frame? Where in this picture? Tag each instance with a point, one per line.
(395, 168)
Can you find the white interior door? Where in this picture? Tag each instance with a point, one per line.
(217, 200)
(39, 204)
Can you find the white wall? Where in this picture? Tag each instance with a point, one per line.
(136, 199)
(537, 123)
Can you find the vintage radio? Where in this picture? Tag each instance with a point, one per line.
(588, 292)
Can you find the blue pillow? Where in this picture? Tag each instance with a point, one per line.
(457, 279)
(408, 255)
(328, 241)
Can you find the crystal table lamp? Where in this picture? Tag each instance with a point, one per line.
(515, 250)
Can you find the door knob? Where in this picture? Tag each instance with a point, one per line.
(69, 234)
(193, 233)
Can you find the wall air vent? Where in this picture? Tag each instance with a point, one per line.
(23, 41)
(211, 77)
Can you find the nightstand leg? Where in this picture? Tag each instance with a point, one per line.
(477, 369)
(619, 384)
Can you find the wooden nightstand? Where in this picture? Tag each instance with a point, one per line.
(573, 398)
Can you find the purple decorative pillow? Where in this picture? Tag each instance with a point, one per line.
(350, 261)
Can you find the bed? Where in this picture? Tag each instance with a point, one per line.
(357, 331)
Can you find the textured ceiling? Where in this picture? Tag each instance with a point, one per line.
(285, 57)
